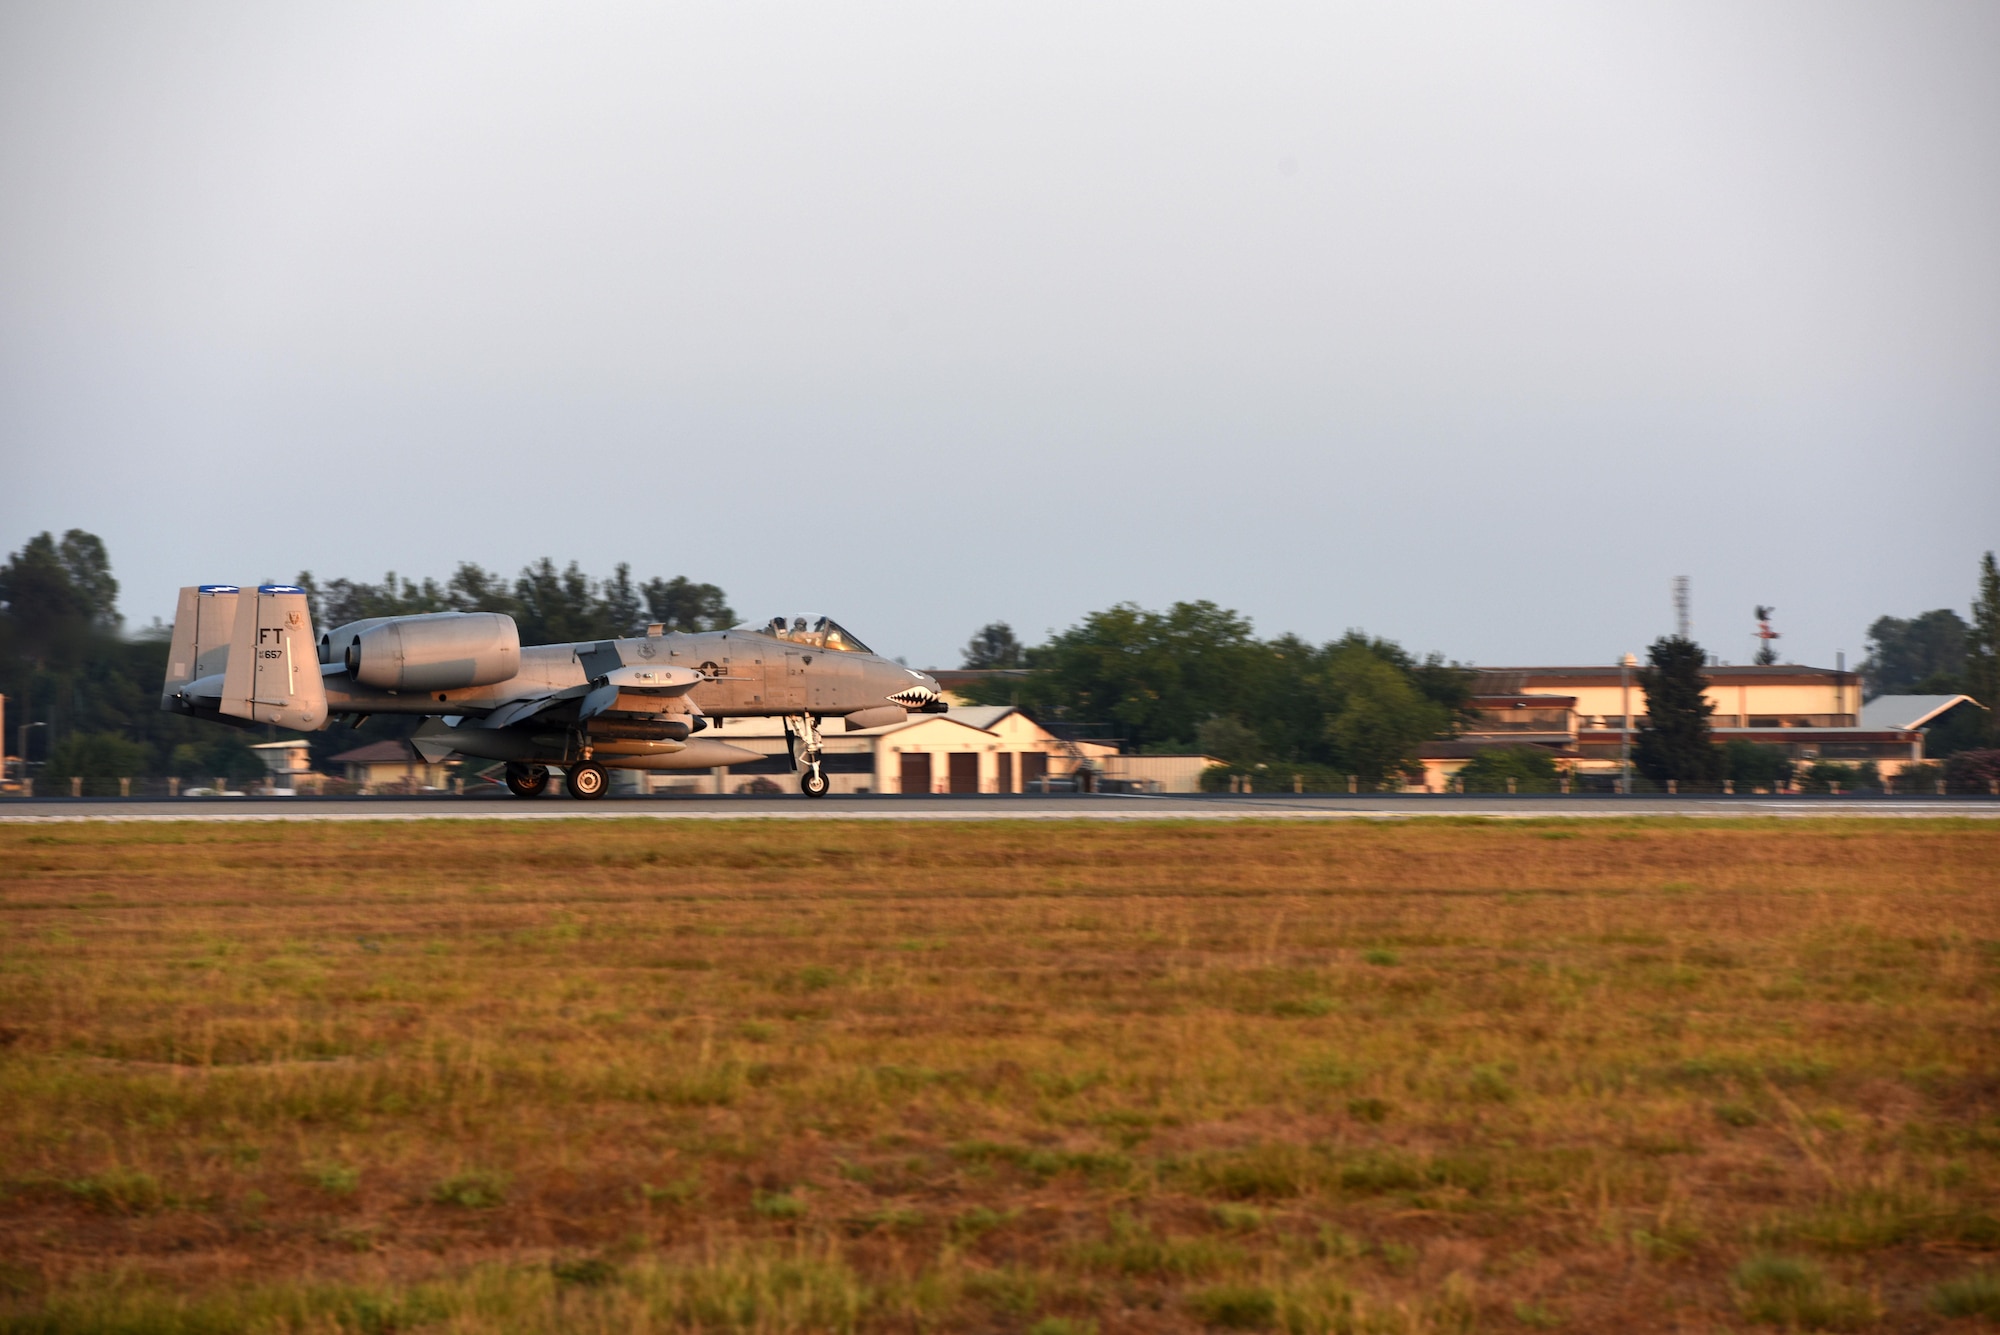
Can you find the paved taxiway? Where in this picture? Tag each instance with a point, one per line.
(1067, 806)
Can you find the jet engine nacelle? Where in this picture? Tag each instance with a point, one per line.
(443, 651)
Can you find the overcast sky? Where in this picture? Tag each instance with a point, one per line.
(1471, 325)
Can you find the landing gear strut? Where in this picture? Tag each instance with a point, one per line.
(588, 780)
(802, 738)
(527, 780)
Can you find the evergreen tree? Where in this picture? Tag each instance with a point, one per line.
(1923, 655)
(1982, 664)
(994, 647)
(1675, 742)
(681, 604)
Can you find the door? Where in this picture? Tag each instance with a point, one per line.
(1034, 768)
(916, 773)
(1005, 763)
(964, 771)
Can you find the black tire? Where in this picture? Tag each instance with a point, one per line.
(814, 783)
(588, 782)
(527, 780)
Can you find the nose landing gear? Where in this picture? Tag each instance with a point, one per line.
(802, 739)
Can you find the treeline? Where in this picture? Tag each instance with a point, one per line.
(550, 606)
(89, 691)
(1195, 678)
(1942, 653)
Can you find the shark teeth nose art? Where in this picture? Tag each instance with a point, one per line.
(914, 695)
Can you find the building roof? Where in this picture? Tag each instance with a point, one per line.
(377, 753)
(980, 716)
(1502, 679)
(295, 743)
(1910, 711)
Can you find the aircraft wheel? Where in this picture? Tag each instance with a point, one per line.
(588, 781)
(814, 783)
(527, 780)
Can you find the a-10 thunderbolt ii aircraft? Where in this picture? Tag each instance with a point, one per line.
(245, 656)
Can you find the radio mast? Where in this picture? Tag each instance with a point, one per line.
(1766, 655)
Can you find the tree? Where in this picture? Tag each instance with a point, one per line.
(56, 596)
(1382, 717)
(1154, 676)
(1982, 668)
(1755, 764)
(1675, 741)
(994, 647)
(1973, 771)
(681, 604)
(1228, 738)
(97, 756)
(623, 613)
(1907, 656)
(1532, 769)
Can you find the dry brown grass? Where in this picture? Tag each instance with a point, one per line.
(1401, 1077)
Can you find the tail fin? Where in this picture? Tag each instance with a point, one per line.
(203, 622)
(272, 675)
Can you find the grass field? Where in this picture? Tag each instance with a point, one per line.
(1419, 1076)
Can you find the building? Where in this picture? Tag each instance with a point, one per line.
(972, 749)
(289, 765)
(390, 767)
(1586, 716)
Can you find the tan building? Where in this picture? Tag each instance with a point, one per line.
(289, 765)
(972, 749)
(390, 767)
(1586, 716)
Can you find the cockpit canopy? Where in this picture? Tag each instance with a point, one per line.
(825, 633)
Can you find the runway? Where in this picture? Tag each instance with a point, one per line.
(1055, 807)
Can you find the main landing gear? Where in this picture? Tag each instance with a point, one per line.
(802, 736)
(588, 781)
(527, 780)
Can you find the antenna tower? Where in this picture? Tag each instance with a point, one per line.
(1681, 606)
(1766, 655)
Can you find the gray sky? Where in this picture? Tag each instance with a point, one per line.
(1471, 325)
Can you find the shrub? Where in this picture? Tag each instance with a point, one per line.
(119, 1191)
(1532, 769)
(1824, 774)
(1755, 764)
(1972, 771)
(588, 1272)
(1976, 1294)
(778, 1205)
(1796, 1293)
(1369, 1110)
(336, 1179)
(476, 1190)
(99, 756)
(1236, 1306)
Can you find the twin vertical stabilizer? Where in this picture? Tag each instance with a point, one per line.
(248, 654)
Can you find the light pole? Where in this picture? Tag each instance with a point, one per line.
(1625, 666)
(24, 745)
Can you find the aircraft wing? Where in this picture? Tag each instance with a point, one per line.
(657, 682)
(515, 711)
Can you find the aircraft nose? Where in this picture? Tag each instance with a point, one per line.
(919, 691)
